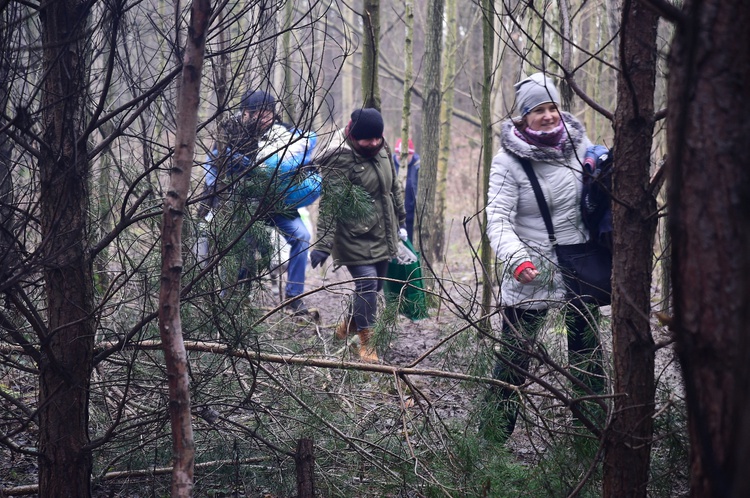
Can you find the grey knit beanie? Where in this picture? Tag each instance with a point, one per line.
(534, 90)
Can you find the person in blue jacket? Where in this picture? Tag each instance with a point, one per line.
(412, 179)
(273, 161)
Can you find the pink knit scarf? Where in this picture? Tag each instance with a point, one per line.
(555, 138)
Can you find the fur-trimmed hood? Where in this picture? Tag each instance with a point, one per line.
(513, 144)
(515, 227)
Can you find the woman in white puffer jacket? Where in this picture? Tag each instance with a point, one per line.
(554, 143)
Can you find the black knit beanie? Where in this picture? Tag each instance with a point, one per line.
(366, 123)
(255, 100)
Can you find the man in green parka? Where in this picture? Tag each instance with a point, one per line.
(361, 220)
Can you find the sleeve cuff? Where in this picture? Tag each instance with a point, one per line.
(522, 267)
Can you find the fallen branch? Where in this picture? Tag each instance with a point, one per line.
(126, 474)
(309, 361)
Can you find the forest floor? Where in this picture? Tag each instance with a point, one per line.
(421, 343)
(415, 344)
(418, 343)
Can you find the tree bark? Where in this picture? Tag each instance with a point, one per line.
(347, 74)
(424, 216)
(709, 198)
(221, 66)
(408, 79)
(67, 345)
(488, 45)
(170, 325)
(7, 203)
(286, 69)
(628, 442)
(446, 112)
(371, 23)
(304, 460)
(267, 47)
(6, 212)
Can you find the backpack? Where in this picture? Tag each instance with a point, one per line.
(596, 196)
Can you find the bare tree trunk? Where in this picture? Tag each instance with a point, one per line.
(535, 59)
(263, 79)
(408, 79)
(562, 45)
(446, 112)
(628, 442)
(6, 211)
(612, 12)
(424, 216)
(371, 34)
(288, 96)
(709, 198)
(220, 70)
(221, 66)
(304, 460)
(170, 325)
(68, 338)
(6, 180)
(347, 76)
(488, 37)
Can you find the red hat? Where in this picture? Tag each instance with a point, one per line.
(398, 146)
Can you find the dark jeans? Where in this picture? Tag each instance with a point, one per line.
(519, 335)
(364, 303)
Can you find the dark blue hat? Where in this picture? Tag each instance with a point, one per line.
(366, 123)
(255, 100)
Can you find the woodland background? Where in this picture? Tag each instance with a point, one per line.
(128, 369)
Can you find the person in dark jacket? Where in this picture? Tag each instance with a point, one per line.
(412, 182)
(358, 172)
(269, 157)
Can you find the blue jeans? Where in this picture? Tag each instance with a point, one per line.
(364, 303)
(298, 238)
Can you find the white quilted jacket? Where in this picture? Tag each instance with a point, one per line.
(515, 226)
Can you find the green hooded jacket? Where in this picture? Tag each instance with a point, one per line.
(368, 233)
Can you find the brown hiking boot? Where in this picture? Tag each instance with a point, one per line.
(367, 351)
(344, 329)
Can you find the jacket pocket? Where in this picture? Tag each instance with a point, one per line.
(356, 175)
(361, 227)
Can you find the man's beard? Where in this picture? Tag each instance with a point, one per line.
(369, 151)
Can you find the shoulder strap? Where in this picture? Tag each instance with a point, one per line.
(543, 207)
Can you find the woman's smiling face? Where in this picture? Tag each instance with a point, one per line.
(544, 117)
